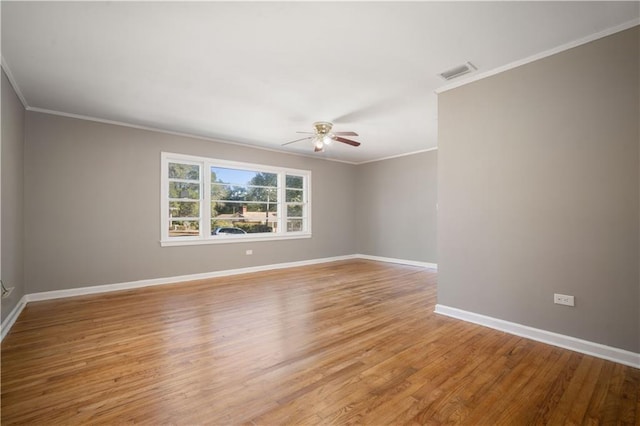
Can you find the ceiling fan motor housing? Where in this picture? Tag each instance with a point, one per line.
(322, 127)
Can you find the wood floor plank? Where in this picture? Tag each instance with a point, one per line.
(349, 342)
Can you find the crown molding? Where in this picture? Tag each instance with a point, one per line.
(174, 133)
(12, 81)
(391, 157)
(193, 136)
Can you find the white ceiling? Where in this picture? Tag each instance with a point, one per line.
(255, 73)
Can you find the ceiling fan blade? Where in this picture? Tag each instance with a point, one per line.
(345, 133)
(308, 133)
(347, 141)
(298, 140)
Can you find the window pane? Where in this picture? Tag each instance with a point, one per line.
(261, 207)
(250, 217)
(228, 192)
(294, 210)
(294, 225)
(242, 226)
(243, 177)
(229, 208)
(226, 229)
(220, 223)
(218, 208)
(262, 194)
(184, 209)
(258, 228)
(184, 171)
(243, 193)
(220, 192)
(264, 179)
(236, 210)
(294, 181)
(294, 195)
(184, 228)
(237, 193)
(184, 190)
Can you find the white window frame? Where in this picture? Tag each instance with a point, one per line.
(205, 236)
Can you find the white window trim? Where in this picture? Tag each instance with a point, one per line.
(204, 236)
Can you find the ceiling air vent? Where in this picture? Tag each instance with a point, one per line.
(458, 71)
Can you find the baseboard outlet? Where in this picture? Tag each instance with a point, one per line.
(12, 317)
(400, 261)
(8, 292)
(598, 350)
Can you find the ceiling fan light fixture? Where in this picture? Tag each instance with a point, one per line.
(323, 136)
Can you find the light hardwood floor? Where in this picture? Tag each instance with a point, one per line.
(337, 343)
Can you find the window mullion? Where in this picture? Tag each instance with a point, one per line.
(206, 201)
(164, 195)
(282, 196)
(306, 198)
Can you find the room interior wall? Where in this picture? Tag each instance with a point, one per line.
(396, 207)
(13, 116)
(93, 197)
(539, 193)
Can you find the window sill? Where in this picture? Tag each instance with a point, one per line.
(230, 239)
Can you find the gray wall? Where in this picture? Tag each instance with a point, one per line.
(396, 207)
(93, 197)
(538, 193)
(12, 195)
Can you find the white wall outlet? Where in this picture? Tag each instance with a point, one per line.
(248, 252)
(563, 299)
(8, 293)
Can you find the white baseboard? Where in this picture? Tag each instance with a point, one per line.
(105, 288)
(47, 295)
(610, 353)
(400, 261)
(12, 317)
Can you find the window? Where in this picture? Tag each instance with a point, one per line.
(206, 201)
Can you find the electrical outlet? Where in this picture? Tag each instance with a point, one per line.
(9, 290)
(248, 252)
(563, 299)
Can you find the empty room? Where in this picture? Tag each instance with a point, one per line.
(268, 213)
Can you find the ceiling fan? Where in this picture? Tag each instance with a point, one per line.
(323, 136)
